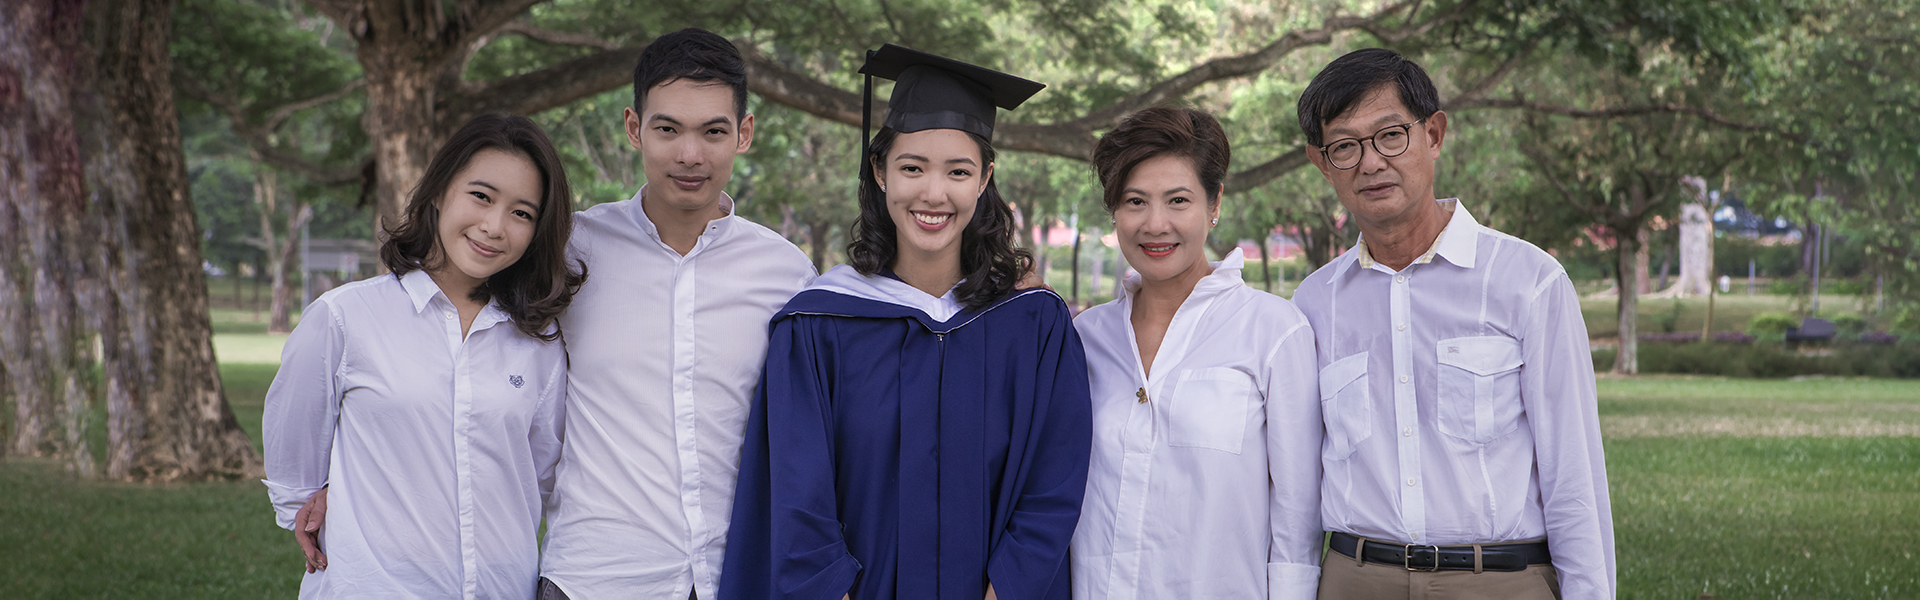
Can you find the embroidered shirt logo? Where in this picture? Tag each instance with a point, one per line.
(1450, 350)
(516, 380)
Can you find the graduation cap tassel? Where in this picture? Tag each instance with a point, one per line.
(866, 124)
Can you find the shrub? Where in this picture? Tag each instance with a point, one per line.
(1667, 320)
(1770, 324)
(1844, 287)
(1786, 287)
(1908, 321)
(1849, 323)
(1875, 337)
(1728, 337)
(1771, 361)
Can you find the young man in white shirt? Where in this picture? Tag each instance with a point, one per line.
(1462, 456)
(665, 342)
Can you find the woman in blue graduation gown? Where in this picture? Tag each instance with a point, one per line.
(922, 427)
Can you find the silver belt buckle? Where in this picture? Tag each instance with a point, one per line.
(1406, 558)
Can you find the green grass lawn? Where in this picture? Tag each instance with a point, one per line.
(1764, 489)
(1737, 488)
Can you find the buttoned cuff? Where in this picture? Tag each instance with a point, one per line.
(1292, 581)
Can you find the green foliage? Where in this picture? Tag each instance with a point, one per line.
(1848, 324)
(1787, 287)
(1906, 321)
(1731, 254)
(1766, 324)
(1668, 318)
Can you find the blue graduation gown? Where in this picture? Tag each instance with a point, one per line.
(889, 455)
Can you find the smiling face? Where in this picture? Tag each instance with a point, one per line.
(1163, 218)
(688, 136)
(932, 180)
(487, 217)
(1383, 191)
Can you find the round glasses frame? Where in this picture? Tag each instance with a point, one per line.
(1405, 130)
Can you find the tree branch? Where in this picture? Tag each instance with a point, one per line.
(257, 138)
(562, 38)
(1259, 175)
(1248, 64)
(1624, 111)
(281, 114)
(536, 91)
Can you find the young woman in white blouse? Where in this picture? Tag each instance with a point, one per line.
(1205, 475)
(422, 408)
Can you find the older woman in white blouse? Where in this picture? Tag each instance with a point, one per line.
(1205, 477)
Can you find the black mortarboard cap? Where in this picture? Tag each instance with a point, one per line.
(936, 92)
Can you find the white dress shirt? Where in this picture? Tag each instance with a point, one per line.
(1459, 401)
(1210, 487)
(665, 350)
(438, 450)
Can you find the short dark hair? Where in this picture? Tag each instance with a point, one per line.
(694, 54)
(1349, 78)
(1185, 132)
(534, 289)
(989, 263)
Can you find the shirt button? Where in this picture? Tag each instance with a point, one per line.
(1416, 537)
(1409, 481)
(1399, 279)
(1408, 432)
(1403, 327)
(1403, 379)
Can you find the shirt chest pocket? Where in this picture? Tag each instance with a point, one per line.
(1209, 409)
(1479, 387)
(1346, 405)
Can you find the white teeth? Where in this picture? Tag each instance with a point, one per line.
(930, 219)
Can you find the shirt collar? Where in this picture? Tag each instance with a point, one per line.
(1456, 242)
(646, 224)
(420, 288)
(1225, 276)
(844, 279)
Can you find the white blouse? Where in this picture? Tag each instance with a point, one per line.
(1205, 476)
(439, 451)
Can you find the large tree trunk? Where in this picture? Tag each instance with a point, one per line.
(47, 230)
(167, 412)
(111, 175)
(399, 119)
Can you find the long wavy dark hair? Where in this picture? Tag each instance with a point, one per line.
(534, 289)
(990, 265)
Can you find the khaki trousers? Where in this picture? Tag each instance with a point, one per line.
(1343, 578)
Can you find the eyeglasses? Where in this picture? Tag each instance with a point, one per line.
(1391, 141)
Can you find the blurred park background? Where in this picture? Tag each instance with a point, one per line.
(181, 176)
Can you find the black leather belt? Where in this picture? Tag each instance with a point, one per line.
(1417, 557)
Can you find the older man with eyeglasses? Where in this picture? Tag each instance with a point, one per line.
(1462, 456)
